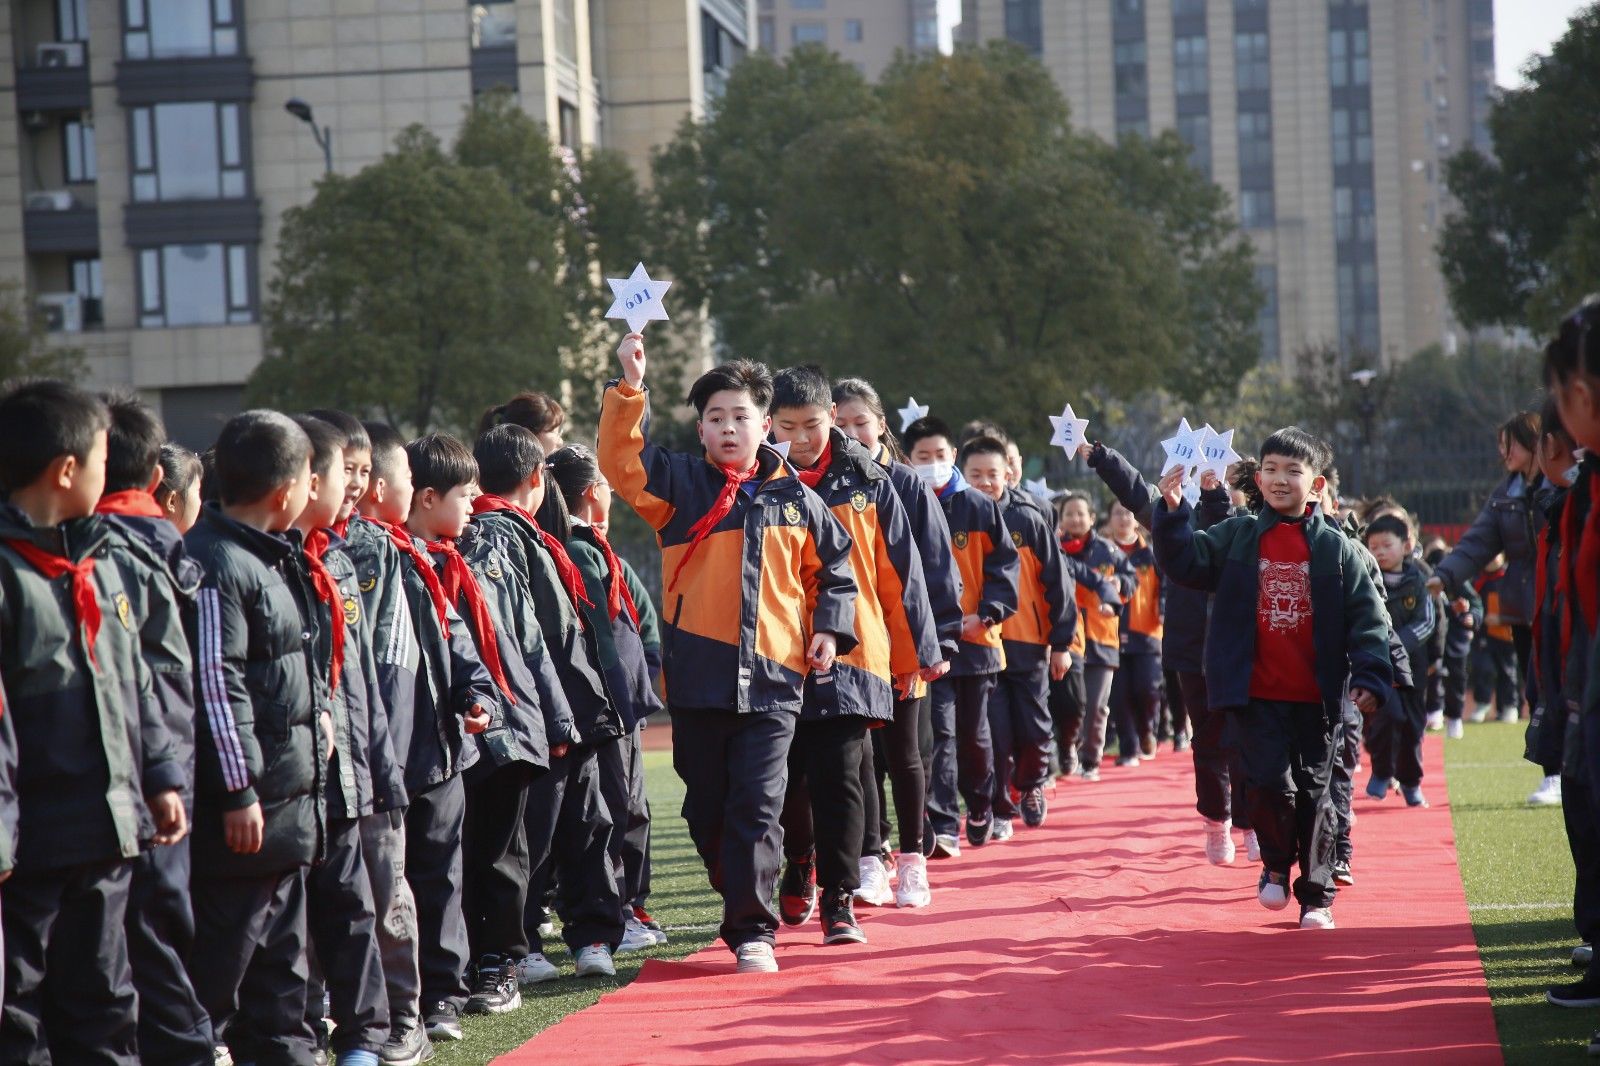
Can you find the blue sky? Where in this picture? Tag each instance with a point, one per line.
(1525, 27)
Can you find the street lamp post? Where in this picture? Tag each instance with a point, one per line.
(324, 134)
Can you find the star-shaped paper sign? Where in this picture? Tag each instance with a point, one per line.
(911, 412)
(1069, 432)
(1182, 448)
(1191, 492)
(781, 447)
(1216, 452)
(1038, 487)
(638, 299)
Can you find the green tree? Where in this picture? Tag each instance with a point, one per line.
(25, 351)
(1524, 244)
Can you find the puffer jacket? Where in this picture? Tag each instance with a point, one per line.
(1047, 609)
(987, 561)
(624, 656)
(87, 741)
(260, 739)
(391, 634)
(1509, 523)
(931, 531)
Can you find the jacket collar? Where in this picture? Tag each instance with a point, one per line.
(274, 547)
(75, 539)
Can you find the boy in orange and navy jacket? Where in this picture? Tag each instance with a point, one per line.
(757, 594)
(1038, 642)
(963, 748)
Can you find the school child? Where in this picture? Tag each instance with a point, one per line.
(1285, 640)
(1136, 689)
(567, 823)
(963, 751)
(742, 647)
(1100, 599)
(96, 774)
(264, 742)
(1037, 641)
(902, 751)
(178, 494)
(1395, 736)
(537, 412)
(824, 809)
(1463, 619)
(1499, 688)
(161, 582)
(620, 614)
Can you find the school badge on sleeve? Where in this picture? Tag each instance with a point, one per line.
(1016, 538)
(959, 539)
(858, 502)
(791, 513)
(352, 610)
(124, 611)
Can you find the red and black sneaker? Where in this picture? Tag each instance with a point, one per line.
(797, 891)
(642, 916)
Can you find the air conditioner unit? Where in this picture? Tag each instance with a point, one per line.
(62, 312)
(50, 200)
(59, 54)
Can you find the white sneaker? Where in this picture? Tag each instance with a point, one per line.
(1547, 794)
(1252, 845)
(1455, 729)
(874, 890)
(1002, 830)
(635, 937)
(1481, 715)
(946, 847)
(755, 957)
(1435, 721)
(1272, 894)
(221, 1056)
(1511, 715)
(1316, 918)
(1219, 842)
(536, 969)
(912, 888)
(595, 961)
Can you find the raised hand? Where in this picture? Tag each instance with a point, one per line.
(630, 353)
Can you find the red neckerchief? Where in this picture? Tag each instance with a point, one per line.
(720, 509)
(566, 569)
(327, 590)
(812, 477)
(400, 537)
(1074, 545)
(84, 599)
(618, 595)
(342, 527)
(1586, 565)
(132, 502)
(459, 582)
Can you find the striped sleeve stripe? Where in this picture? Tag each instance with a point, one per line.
(398, 650)
(214, 690)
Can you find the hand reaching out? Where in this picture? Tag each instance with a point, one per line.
(630, 353)
(1171, 487)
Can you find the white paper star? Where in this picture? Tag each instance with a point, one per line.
(911, 412)
(1191, 492)
(781, 447)
(1038, 488)
(1216, 452)
(1069, 431)
(1182, 448)
(638, 299)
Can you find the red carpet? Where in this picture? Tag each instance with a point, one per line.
(1102, 937)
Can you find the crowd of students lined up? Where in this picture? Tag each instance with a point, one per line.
(321, 723)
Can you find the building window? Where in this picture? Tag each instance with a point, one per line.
(1348, 62)
(1352, 135)
(1247, 6)
(852, 30)
(766, 34)
(1252, 61)
(720, 52)
(565, 16)
(807, 5)
(1188, 7)
(196, 285)
(809, 33)
(1255, 139)
(1024, 25)
(494, 25)
(925, 34)
(168, 29)
(1196, 133)
(567, 118)
(72, 20)
(188, 152)
(1189, 65)
(1483, 52)
(1128, 60)
(1128, 8)
(1267, 318)
(1255, 208)
(1133, 127)
(1355, 216)
(90, 290)
(77, 151)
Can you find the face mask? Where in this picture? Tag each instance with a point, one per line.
(936, 475)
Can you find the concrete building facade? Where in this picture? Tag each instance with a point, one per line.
(868, 34)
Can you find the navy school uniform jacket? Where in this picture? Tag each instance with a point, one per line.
(1111, 582)
(260, 738)
(775, 570)
(1047, 609)
(624, 658)
(931, 530)
(83, 744)
(1141, 629)
(894, 625)
(1349, 623)
(986, 558)
(391, 634)
(1403, 701)
(649, 622)
(1413, 611)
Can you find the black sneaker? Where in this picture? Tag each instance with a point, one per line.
(443, 1021)
(1342, 875)
(797, 891)
(1034, 808)
(839, 920)
(1180, 742)
(978, 832)
(496, 991)
(1578, 994)
(411, 1047)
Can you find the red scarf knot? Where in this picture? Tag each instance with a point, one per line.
(459, 582)
(618, 595)
(1074, 545)
(719, 510)
(85, 602)
(812, 476)
(327, 590)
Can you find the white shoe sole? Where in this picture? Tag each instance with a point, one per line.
(597, 970)
(913, 902)
(1272, 903)
(883, 899)
(441, 1032)
(1314, 924)
(1221, 859)
(505, 1008)
(537, 979)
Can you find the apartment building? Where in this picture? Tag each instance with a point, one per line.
(866, 33)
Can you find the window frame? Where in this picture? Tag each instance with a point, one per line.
(152, 288)
(144, 137)
(80, 132)
(227, 36)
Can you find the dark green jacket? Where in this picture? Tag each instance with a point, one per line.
(624, 658)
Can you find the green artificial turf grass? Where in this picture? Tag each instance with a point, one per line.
(680, 899)
(1518, 876)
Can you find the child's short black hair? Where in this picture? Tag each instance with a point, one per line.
(133, 442)
(385, 441)
(923, 428)
(739, 375)
(536, 411)
(1523, 428)
(1576, 347)
(1244, 480)
(507, 456)
(982, 427)
(801, 386)
(179, 468)
(981, 445)
(1389, 523)
(44, 420)
(1551, 427)
(440, 462)
(356, 438)
(327, 441)
(1067, 497)
(1292, 442)
(258, 452)
(209, 492)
